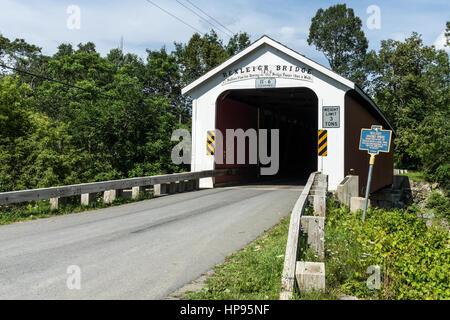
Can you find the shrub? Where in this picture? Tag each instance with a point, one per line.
(439, 204)
(414, 259)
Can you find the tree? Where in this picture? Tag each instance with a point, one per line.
(18, 52)
(79, 117)
(237, 43)
(34, 150)
(338, 33)
(411, 86)
(4, 45)
(447, 33)
(200, 55)
(21, 55)
(163, 78)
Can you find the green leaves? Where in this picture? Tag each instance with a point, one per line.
(410, 84)
(34, 151)
(96, 118)
(53, 134)
(408, 81)
(203, 53)
(337, 32)
(414, 259)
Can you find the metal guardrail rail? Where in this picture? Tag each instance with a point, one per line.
(95, 187)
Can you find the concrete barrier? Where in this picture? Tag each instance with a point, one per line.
(357, 203)
(319, 194)
(348, 188)
(310, 276)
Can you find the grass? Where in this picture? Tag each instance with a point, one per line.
(412, 257)
(34, 210)
(253, 273)
(415, 176)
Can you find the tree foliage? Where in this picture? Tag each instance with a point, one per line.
(408, 80)
(413, 258)
(447, 33)
(93, 118)
(35, 151)
(337, 32)
(410, 83)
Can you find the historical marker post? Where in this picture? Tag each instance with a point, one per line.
(374, 140)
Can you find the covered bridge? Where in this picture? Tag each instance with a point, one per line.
(270, 86)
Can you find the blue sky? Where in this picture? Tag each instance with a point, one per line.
(142, 25)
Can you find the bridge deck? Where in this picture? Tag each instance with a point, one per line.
(142, 250)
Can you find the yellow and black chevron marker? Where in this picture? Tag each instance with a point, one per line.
(210, 143)
(323, 143)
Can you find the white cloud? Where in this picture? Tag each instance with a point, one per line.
(441, 42)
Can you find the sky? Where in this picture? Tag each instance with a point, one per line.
(48, 23)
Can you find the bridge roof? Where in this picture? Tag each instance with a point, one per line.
(265, 40)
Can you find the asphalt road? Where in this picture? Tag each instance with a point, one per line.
(143, 250)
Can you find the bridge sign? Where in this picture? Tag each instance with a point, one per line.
(330, 116)
(375, 140)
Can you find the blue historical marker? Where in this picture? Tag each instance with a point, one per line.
(374, 140)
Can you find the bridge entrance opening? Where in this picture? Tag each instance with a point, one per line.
(294, 111)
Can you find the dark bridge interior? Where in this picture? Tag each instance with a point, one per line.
(294, 111)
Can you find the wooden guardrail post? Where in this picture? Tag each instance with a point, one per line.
(110, 195)
(88, 198)
(136, 191)
(54, 203)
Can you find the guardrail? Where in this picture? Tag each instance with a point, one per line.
(170, 182)
(317, 195)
